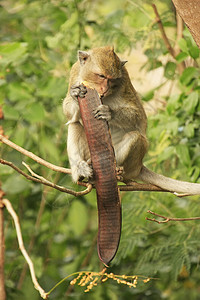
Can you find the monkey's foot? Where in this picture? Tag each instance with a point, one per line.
(85, 170)
(119, 172)
(82, 170)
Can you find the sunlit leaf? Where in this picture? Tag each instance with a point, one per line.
(187, 75)
(191, 102)
(10, 113)
(183, 45)
(194, 52)
(78, 217)
(183, 154)
(12, 52)
(34, 113)
(181, 56)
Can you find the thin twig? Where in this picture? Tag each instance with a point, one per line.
(179, 32)
(39, 160)
(33, 238)
(46, 182)
(167, 219)
(10, 209)
(173, 52)
(164, 36)
(2, 241)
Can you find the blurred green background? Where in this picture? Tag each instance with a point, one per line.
(39, 43)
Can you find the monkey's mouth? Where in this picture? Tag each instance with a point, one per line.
(106, 93)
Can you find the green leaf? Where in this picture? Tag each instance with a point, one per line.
(173, 104)
(191, 102)
(194, 173)
(34, 113)
(187, 75)
(12, 52)
(148, 96)
(189, 130)
(10, 113)
(181, 56)
(194, 52)
(183, 45)
(183, 154)
(173, 125)
(53, 41)
(78, 217)
(18, 92)
(55, 88)
(168, 152)
(49, 149)
(170, 69)
(15, 184)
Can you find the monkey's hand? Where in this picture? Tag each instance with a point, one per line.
(103, 112)
(78, 90)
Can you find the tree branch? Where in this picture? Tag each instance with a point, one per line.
(2, 248)
(167, 219)
(46, 182)
(2, 241)
(173, 52)
(179, 32)
(163, 33)
(39, 160)
(130, 186)
(11, 211)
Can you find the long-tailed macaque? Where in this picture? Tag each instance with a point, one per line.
(102, 69)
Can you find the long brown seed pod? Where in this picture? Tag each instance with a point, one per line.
(104, 167)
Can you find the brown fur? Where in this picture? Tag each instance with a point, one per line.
(122, 108)
(128, 120)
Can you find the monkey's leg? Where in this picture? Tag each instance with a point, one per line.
(130, 152)
(78, 152)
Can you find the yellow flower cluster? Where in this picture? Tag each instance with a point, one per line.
(90, 279)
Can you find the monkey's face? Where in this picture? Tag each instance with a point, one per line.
(103, 84)
(102, 69)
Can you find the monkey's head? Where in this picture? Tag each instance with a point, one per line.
(102, 69)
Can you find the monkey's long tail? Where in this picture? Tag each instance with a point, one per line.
(167, 183)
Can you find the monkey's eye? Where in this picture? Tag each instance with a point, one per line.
(101, 76)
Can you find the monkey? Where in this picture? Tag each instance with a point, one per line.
(122, 108)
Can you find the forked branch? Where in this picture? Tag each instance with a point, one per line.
(11, 211)
(42, 180)
(167, 219)
(130, 186)
(39, 160)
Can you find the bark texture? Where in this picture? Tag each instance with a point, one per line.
(189, 10)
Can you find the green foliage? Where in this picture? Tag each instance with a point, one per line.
(39, 41)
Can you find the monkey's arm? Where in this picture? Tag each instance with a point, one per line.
(71, 109)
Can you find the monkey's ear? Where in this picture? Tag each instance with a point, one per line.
(83, 56)
(123, 62)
